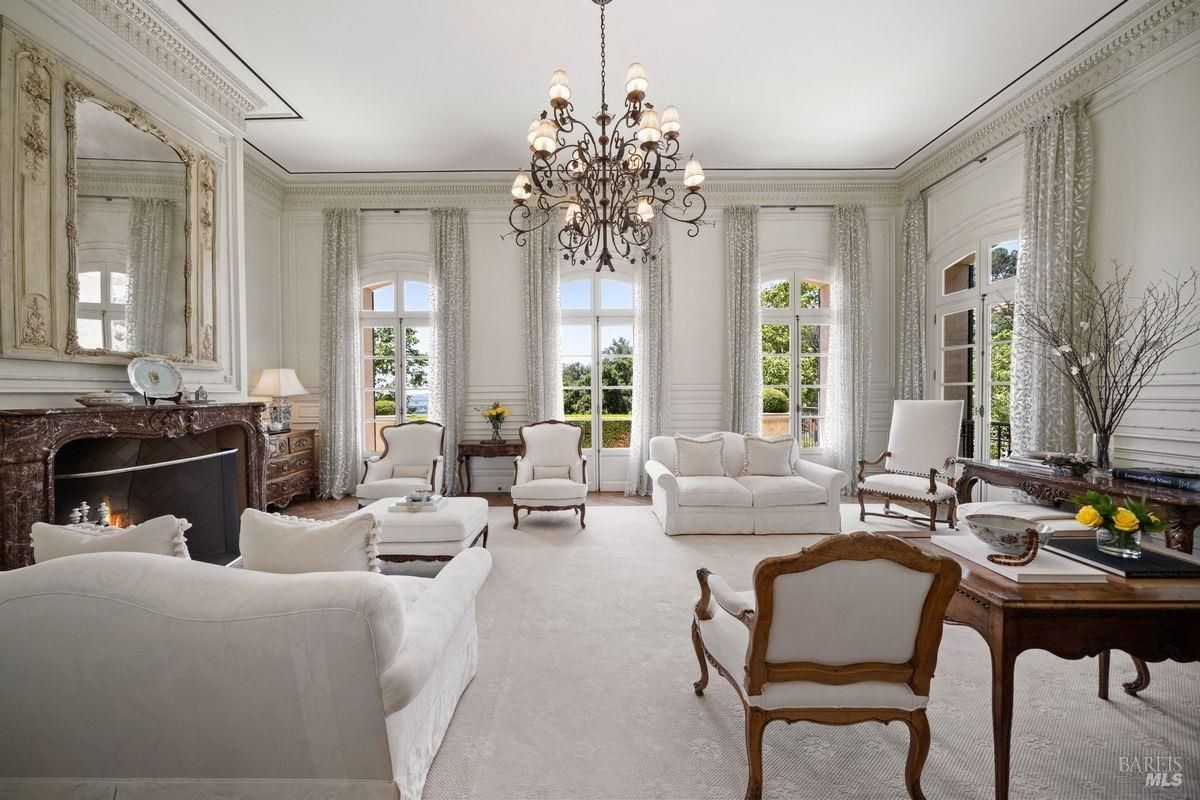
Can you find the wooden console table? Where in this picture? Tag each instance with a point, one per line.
(1153, 619)
(1180, 508)
(291, 466)
(477, 449)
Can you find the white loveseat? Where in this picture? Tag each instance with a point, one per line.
(806, 501)
(130, 674)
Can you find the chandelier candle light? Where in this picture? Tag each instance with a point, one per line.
(605, 186)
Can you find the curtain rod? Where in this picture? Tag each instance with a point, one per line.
(979, 159)
(794, 206)
(395, 210)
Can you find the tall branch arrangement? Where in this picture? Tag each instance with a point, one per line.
(1114, 344)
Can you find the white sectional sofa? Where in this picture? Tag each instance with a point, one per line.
(805, 501)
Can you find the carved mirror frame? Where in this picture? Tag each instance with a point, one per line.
(197, 209)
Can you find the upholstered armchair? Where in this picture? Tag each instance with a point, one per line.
(551, 472)
(842, 632)
(922, 445)
(411, 461)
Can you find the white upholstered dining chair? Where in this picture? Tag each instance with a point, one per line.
(411, 461)
(842, 632)
(551, 472)
(922, 445)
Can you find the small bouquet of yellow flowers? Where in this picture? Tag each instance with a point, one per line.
(1118, 528)
(495, 414)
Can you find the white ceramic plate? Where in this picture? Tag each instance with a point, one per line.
(155, 377)
(106, 399)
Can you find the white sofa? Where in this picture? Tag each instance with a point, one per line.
(137, 675)
(805, 502)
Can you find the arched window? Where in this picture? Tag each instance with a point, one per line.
(597, 362)
(395, 344)
(795, 361)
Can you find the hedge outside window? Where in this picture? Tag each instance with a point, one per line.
(795, 361)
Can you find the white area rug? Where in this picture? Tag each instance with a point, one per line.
(585, 691)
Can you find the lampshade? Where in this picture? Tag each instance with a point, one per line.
(278, 382)
(693, 176)
(635, 81)
(649, 130)
(560, 87)
(533, 131)
(670, 122)
(521, 187)
(546, 139)
(645, 210)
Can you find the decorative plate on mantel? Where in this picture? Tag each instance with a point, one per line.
(106, 399)
(156, 378)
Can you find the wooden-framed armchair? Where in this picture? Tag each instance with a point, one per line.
(551, 472)
(411, 461)
(922, 446)
(871, 661)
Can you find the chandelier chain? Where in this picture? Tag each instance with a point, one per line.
(603, 63)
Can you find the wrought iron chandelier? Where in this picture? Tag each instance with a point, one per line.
(605, 188)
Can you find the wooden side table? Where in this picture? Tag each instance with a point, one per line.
(291, 465)
(478, 449)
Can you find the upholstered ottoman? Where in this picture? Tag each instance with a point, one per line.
(430, 535)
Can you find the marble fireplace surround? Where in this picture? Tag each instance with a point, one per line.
(31, 438)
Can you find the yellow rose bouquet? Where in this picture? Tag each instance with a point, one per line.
(1118, 528)
(495, 414)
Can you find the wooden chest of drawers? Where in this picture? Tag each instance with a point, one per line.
(291, 466)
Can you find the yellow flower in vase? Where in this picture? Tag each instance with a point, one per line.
(1125, 520)
(1089, 516)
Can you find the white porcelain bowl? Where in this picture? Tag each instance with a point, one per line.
(1004, 533)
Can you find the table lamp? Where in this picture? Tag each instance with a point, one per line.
(278, 384)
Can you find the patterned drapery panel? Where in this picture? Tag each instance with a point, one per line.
(543, 367)
(1053, 251)
(339, 462)
(850, 337)
(149, 273)
(743, 391)
(651, 356)
(910, 381)
(450, 319)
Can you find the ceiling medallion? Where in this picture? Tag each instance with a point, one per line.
(605, 187)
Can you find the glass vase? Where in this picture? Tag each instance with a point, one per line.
(1102, 451)
(496, 437)
(1126, 544)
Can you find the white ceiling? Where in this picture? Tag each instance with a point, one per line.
(776, 84)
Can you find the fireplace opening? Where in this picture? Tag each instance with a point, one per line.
(201, 488)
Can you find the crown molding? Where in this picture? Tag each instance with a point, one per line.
(120, 181)
(1147, 32)
(262, 181)
(143, 25)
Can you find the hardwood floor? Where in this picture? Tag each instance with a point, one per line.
(333, 509)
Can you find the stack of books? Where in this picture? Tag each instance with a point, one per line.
(434, 503)
(1187, 481)
(1028, 462)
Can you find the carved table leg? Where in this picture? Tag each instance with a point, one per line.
(1102, 665)
(1141, 682)
(1002, 714)
(464, 473)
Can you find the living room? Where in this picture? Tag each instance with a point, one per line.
(487, 366)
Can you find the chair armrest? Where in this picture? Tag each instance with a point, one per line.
(437, 478)
(428, 625)
(862, 464)
(375, 468)
(830, 479)
(713, 587)
(663, 478)
(522, 472)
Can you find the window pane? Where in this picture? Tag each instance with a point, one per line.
(616, 420)
(810, 402)
(1004, 260)
(577, 373)
(89, 292)
(577, 407)
(383, 372)
(383, 405)
(89, 332)
(1002, 322)
(814, 338)
(776, 338)
(1000, 433)
(416, 405)
(577, 340)
(417, 341)
(616, 339)
(812, 370)
(966, 444)
(118, 288)
(615, 294)
(959, 276)
(575, 295)
(616, 371)
(813, 294)
(958, 328)
(776, 403)
(810, 432)
(777, 371)
(117, 335)
(776, 294)
(379, 341)
(416, 296)
(959, 365)
(379, 296)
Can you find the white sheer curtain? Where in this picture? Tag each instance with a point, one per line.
(743, 321)
(910, 381)
(543, 314)
(651, 356)
(338, 456)
(850, 337)
(149, 273)
(450, 318)
(1053, 250)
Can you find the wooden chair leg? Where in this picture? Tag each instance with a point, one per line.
(516, 518)
(933, 517)
(756, 721)
(918, 749)
(583, 517)
(862, 507)
(954, 514)
(697, 643)
(1102, 662)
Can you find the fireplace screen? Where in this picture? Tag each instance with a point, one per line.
(201, 489)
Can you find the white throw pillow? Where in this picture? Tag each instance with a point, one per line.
(551, 472)
(699, 456)
(768, 456)
(403, 471)
(161, 535)
(279, 543)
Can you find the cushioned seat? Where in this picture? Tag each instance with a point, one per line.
(902, 486)
(713, 490)
(556, 489)
(770, 491)
(391, 487)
